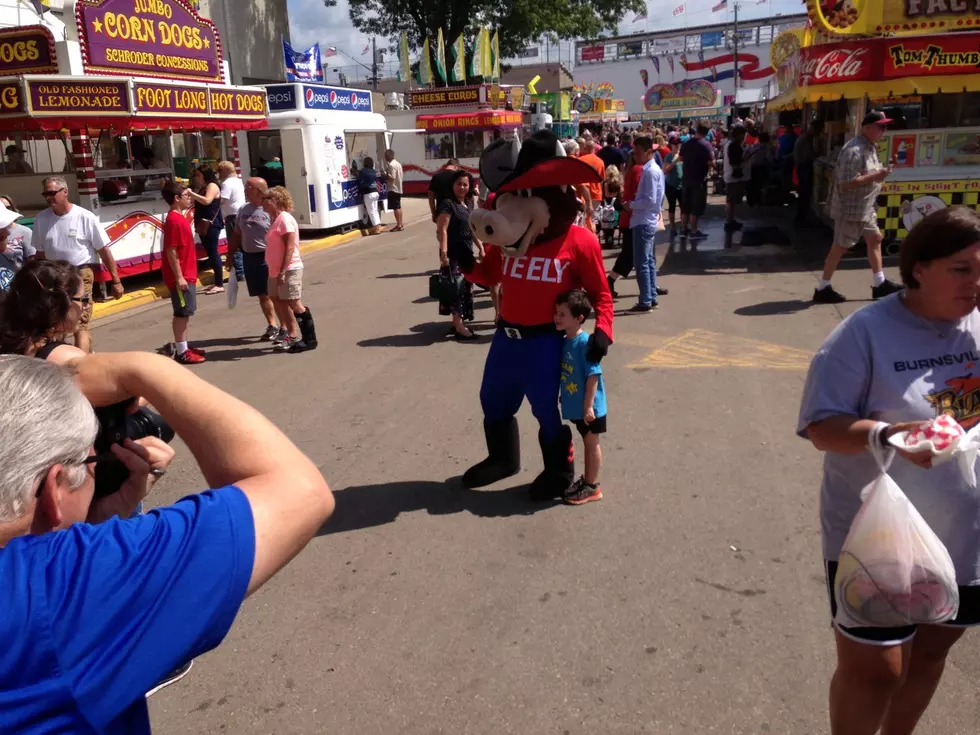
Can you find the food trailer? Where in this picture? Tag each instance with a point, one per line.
(924, 78)
(133, 97)
(317, 140)
(457, 122)
(682, 101)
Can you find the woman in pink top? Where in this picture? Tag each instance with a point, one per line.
(286, 273)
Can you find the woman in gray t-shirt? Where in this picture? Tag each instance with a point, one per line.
(903, 360)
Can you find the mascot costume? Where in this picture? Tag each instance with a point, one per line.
(538, 253)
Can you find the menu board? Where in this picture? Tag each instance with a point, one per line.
(903, 150)
(962, 149)
(929, 149)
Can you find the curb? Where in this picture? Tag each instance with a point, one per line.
(144, 296)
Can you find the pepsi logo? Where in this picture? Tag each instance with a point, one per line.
(309, 96)
(333, 98)
(353, 98)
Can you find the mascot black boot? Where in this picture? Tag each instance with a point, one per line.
(537, 252)
(504, 460)
(559, 467)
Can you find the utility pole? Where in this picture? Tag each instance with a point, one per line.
(374, 57)
(735, 40)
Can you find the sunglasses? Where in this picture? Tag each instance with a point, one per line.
(84, 300)
(49, 194)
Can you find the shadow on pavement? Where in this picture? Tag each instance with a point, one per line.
(424, 335)
(406, 275)
(367, 506)
(771, 308)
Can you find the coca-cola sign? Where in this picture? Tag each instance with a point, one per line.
(834, 63)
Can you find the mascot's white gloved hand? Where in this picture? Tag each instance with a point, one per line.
(513, 225)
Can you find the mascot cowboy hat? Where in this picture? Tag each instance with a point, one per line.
(536, 252)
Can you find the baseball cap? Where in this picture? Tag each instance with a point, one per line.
(13, 149)
(7, 217)
(875, 117)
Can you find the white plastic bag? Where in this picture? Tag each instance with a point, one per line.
(893, 569)
(231, 288)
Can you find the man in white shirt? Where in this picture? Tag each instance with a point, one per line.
(65, 231)
(394, 177)
(232, 200)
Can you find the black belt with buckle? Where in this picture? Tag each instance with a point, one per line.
(519, 331)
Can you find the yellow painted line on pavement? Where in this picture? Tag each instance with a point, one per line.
(144, 296)
(700, 348)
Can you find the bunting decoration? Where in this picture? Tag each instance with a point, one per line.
(656, 64)
(440, 57)
(670, 63)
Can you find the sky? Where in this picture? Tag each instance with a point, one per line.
(311, 22)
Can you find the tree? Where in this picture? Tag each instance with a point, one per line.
(519, 21)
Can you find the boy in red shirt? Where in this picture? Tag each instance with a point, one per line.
(180, 268)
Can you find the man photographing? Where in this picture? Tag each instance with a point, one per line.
(94, 613)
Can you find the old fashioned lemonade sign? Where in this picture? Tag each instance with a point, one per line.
(158, 38)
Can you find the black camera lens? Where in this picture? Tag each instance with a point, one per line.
(115, 426)
(145, 423)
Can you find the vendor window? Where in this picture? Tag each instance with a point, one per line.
(439, 146)
(469, 144)
(43, 154)
(265, 155)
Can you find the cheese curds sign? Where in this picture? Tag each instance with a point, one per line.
(150, 38)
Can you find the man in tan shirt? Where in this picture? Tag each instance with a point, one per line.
(392, 172)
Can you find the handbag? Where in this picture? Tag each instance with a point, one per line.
(444, 286)
(203, 226)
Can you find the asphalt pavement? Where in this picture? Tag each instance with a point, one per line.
(691, 599)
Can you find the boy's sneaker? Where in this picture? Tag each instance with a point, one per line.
(582, 492)
(281, 334)
(190, 357)
(270, 333)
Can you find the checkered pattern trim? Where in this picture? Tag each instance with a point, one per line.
(890, 209)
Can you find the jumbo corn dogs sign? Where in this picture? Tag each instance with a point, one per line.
(150, 38)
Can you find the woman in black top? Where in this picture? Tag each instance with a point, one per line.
(367, 185)
(42, 306)
(206, 194)
(456, 253)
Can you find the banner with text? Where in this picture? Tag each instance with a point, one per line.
(302, 66)
(27, 50)
(150, 38)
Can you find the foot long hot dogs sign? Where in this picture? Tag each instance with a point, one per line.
(150, 38)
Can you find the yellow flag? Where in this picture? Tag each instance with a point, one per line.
(495, 54)
(487, 62)
(425, 64)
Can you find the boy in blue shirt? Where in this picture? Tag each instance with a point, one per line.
(583, 395)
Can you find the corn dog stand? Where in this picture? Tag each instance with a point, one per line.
(133, 97)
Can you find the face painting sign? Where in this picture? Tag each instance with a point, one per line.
(156, 38)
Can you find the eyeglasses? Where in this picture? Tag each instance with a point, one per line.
(49, 194)
(83, 300)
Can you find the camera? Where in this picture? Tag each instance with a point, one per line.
(116, 424)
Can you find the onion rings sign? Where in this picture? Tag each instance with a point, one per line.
(150, 38)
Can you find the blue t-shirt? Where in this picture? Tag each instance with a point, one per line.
(673, 177)
(575, 369)
(93, 616)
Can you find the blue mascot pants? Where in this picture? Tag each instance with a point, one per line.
(524, 367)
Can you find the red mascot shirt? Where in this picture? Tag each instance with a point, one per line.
(533, 281)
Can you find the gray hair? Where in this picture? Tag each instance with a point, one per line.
(58, 181)
(44, 420)
(571, 147)
(588, 146)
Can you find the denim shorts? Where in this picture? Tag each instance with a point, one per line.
(256, 273)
